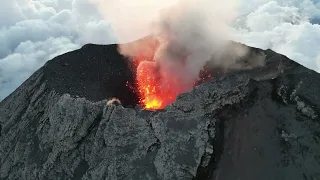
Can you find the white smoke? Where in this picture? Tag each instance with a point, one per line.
(198, 29)
(190, 32)
(130, 19)
(288, 27)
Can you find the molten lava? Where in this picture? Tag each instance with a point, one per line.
(156, 89)
(148, 86)
(146, 83)
(152, 93)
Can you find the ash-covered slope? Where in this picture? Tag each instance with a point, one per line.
(94, 72)
(261, 124)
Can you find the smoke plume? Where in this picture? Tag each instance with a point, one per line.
(189, 33)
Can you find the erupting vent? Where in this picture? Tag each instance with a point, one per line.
(155, 89)
(151, 93)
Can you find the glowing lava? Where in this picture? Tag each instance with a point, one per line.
(152, 93)
(148, 86)
(156, 87)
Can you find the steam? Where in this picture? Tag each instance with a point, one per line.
(131, 19)
(190, 33)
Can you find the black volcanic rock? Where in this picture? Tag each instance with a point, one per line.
(255, 124)
(94, 72)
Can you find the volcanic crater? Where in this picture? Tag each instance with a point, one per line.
(256, 119)
(100, 72)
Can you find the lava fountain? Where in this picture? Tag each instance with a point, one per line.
(155, 85)
(182, 39)
(152, 92)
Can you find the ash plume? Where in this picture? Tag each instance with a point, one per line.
(190, 34)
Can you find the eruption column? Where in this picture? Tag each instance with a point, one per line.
(154, 90)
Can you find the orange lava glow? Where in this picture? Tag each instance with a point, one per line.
(154, 93)
(148, 86)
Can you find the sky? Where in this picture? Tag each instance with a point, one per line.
(35, 31)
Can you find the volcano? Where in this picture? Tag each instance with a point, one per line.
(79, 117)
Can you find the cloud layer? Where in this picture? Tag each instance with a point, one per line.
(34, 31)
(291, 28)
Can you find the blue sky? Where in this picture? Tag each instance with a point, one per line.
(34, 31)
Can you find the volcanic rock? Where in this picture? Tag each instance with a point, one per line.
(261, 123)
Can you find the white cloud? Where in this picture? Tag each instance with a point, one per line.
(26, 58)
(34, 31)
(284, 28)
